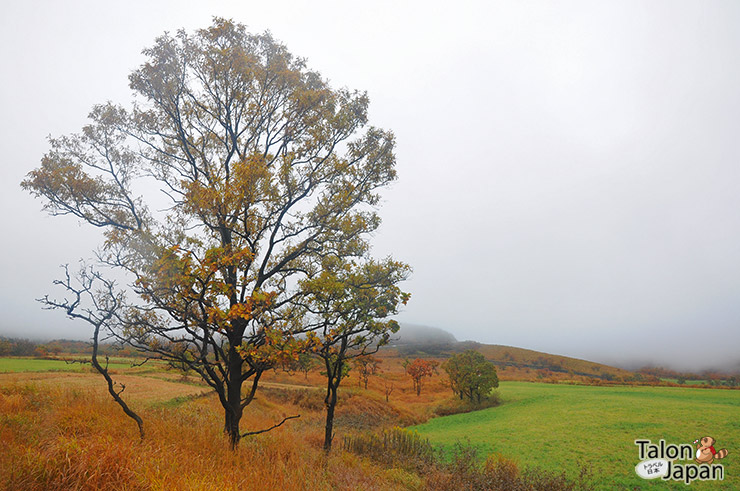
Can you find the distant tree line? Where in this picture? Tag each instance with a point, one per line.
(25, 347)
(710, 378)
(10, 346)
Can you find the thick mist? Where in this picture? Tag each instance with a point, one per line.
(567, 171)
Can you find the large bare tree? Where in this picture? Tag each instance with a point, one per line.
(266, 170)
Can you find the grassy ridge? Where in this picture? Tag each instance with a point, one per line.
(520, 357)
(562, 427)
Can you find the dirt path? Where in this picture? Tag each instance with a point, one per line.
(278, 385)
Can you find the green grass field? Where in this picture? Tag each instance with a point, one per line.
(8, 365)
(562, 427)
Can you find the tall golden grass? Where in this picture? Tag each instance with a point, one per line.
(57, 439)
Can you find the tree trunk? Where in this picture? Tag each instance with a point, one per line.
(233, 431)
(331, 403)
(233, 410)
(334, 377)
(111, 390)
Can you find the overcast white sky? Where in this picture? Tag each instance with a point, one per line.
(568, 171)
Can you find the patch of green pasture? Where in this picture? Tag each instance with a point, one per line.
(562, 427)
(40, 365)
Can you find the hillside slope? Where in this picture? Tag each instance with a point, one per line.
(520, 358)
(513, 363)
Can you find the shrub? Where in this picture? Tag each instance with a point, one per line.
(462, 469)
(397, 447)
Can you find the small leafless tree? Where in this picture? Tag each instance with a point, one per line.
(94, 299)
(366, 366)
(389, 386)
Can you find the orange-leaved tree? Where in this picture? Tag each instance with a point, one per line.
(234, 173)
(419, 369)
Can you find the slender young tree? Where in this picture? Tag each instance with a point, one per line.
(262, 170)
(351, 303)
(303, 363)
(366, 366)
(389, 386)
(95, 300)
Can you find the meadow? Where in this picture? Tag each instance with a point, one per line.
(9, 365)
(60, 430)
(563, 427)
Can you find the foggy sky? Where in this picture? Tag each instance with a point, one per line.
(568, 171)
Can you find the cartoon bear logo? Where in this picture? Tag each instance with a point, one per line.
(705, 452)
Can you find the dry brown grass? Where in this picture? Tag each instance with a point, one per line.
(61, 438)
(139, 389)
(62, 431)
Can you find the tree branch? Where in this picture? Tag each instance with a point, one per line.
(271, 427)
